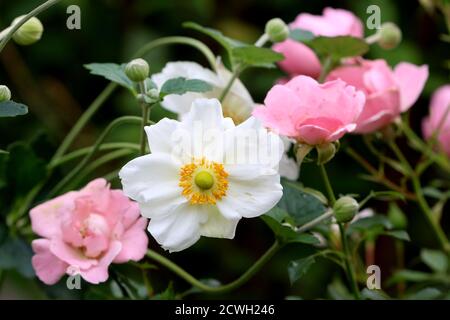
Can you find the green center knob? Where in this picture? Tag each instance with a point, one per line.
(204, 180)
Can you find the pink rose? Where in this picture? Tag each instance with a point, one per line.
(85, 231)
(310, 112)
(388, 92)
(300, 59)
(440, 103)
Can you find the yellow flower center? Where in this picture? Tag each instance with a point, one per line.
(203, 181)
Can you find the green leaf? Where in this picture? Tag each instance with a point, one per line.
(298, 268)
(338, 47)
(425, 294)
(370, 224)
(226, 42)
(12, 109)
(301, 35)
(374, 294)
(256, 57)
(436, 260)
(16, 254)
(3, 161)
(398, 234)
(112, 72)
(299, 204)
(23, 168)
(410, 276)
(168, 294)
(285, 234)
(182, 85)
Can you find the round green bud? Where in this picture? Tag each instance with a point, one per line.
(5, 93)
(29, 33)
(397, 217)
(153, 94)
(345, 209)
(137, 70)
(325, 152)
(389, 35)
(204, 180)
(277, 30)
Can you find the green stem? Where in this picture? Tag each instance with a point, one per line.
(104, 147)
(98, 163)
(145, 115)
(348, 266)
(234, 76)
(179, 40)
(328, 186)
(27, 17)
(71, 175)
(221, 289)
(316, 221)
(425, 208)
(345, 247)
(326, 66)
(80, 124)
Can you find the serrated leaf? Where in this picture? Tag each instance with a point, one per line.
(256, 57)
(369, 224)
(285, 234)
(12, 109)
(298, 268)
(338, 47)
(299, 204)
(225, 41)
(168, 294)
(182, 85)
(301, 35)
(436, 260)
(112, 72)
(398, 234)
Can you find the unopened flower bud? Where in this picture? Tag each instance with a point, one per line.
(153, 94)
(345, 209)
(277, 30)
(5, 93)
(325, 152)
(29, 33)
(137, 70)
(389, 35)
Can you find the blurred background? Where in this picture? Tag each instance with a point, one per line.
(50, 78)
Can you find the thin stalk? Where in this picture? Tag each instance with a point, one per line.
(81, 152)
(22, 21)
(221, 289)
(316, 221)
(345, 247)
(425, 208)
(71, 175)
(179, 40)
(234, 76)
(145, 115)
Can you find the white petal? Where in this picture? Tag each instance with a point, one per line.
(217, 226)
(289, 168)
(160, 136)
(206, 112)
(251, 198)
(146, 178)
(180, 229)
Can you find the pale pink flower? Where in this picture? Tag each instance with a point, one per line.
(85, 231)
(300, 59)
(435, 122)
(388, 92)
(310, 112)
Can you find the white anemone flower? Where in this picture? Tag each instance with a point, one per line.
(204, 174)
(237, 105)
